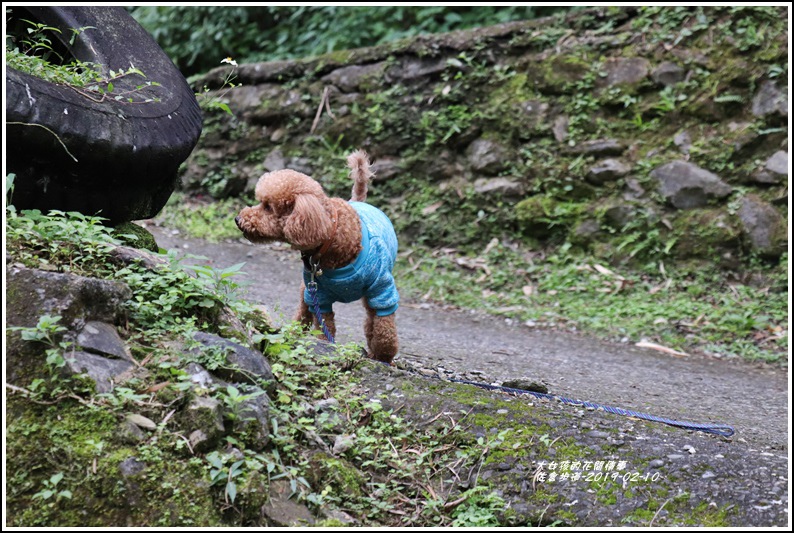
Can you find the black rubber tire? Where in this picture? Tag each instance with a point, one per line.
(128, 154)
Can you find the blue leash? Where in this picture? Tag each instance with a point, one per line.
(715, 429)
(312, 286)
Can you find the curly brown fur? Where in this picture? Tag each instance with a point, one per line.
(293, 208)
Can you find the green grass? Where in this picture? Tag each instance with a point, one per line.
(209, 220)
(695, 312)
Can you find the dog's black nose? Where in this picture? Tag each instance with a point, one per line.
(237, 220)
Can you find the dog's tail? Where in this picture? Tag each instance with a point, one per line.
(358, 162)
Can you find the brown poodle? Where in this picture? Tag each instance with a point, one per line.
(349, 248)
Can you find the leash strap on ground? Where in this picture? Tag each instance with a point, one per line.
(715, 429)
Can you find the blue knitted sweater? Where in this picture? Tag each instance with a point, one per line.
(369, 276)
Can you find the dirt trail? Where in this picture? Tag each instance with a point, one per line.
(751, 398)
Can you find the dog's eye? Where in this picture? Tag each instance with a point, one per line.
(267, 207)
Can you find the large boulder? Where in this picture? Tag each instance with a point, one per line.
(78, 300)
(114, 152)
(243, 365)
(770, 101)
(765, 230)
(687, 186)
(625, 72)
(486, 156)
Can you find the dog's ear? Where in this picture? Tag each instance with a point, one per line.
(309, 224)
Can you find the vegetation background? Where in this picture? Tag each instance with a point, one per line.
(80, 458)
(193, 35)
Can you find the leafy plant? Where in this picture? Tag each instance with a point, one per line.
(215, 102)
(480, 509)
(169, 298)
(9, 182)
(235, 400)
(440, 126)
(72, 240)
(221, 473)
(669, 100)
(51, 489)
(219, 281)
(48, 332)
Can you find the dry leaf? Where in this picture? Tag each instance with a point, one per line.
(491, 245)
(473, 264)
(660, 348)
(342, 443)
(603, 270)
(167, 417)
(158, 386)
(527, 290)
(141, 421)
(663, 287)
(432, 208)
(509, 309)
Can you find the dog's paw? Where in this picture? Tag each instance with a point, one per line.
(381, 359)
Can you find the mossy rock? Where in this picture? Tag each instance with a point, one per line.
(560, 71)
(80, 444)
(337, 473)
(541, 216)
(705, 233)
(141, 237)
(585, 232)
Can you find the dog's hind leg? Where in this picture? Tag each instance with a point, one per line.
(369, 323)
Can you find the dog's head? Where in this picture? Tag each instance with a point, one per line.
(291, 209)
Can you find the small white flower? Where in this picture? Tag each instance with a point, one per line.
(229, 60)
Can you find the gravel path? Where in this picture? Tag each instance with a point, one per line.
(752, 398)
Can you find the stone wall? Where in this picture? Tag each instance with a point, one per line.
(631, 133)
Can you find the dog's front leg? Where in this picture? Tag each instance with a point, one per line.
(381, 334)
(304, 315)
(308, 320)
